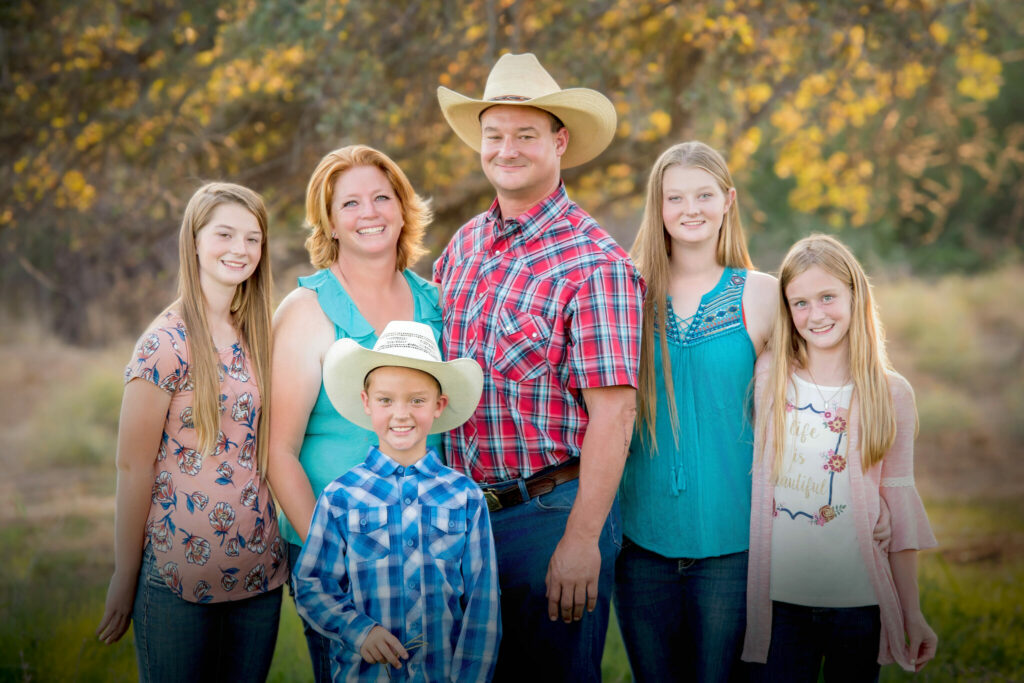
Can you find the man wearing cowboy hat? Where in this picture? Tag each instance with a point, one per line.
(549, 305)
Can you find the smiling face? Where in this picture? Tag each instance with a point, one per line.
(820, 306)
(366, 215)
(228, 246)
(520, 154)
(693, 205)
(402, 404)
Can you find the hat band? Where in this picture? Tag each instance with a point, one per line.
(508, 98)
(408, 345)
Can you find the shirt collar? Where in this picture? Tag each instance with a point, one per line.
(531, 223)
(383, 466)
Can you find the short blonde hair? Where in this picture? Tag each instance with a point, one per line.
(416, 214)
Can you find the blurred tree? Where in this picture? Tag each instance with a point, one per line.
(889, 115)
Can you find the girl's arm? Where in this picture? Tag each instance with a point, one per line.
(299, 345)
(143, 415)
(910, 529)
(760, 307)
(921, 637)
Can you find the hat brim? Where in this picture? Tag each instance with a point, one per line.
(587, 114)
(346, 365)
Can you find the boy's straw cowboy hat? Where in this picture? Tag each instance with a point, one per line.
(405, 344)
(520, 80)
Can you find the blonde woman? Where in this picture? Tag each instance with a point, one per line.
(198, 560)
(685, 492)
(366, 230)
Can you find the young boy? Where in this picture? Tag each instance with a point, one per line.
(398, 567)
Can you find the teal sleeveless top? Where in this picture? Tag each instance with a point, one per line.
(332, 445)
(693, 500)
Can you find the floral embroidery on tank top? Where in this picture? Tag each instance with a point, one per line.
(715, 315)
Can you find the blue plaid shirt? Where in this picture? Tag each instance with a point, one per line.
(410, 549)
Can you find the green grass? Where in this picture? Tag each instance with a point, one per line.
(52, 592)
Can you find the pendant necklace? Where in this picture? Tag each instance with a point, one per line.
(831, 404)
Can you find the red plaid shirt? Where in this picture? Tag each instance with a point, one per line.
(548, 304)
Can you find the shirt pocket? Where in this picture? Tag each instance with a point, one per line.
(446, 533)
(520, 353)
(368, 534)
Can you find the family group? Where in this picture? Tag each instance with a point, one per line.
(460, 479)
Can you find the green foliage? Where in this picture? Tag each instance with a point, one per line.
(79, 425)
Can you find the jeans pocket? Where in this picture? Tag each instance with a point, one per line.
(560, 499)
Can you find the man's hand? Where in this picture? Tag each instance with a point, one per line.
(382, 646)
(572, 578)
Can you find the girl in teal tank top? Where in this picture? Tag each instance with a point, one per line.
(680, 593)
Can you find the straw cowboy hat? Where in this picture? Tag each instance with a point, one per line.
(404, 344)
(520, 80)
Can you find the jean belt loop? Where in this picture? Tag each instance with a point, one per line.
(521, 481)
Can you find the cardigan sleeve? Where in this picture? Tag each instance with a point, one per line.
(910, 527)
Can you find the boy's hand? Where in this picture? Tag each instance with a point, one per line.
(381, 646)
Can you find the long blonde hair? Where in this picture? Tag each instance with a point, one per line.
(868, 361)
(651, 253)
(250, 307)
(416, 214)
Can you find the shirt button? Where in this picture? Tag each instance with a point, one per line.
(451, 525)
(534, 335)
(408, 501)
(362, 521)
(411, 543)
(400, 470)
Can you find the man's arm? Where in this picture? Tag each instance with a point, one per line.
(576, 563)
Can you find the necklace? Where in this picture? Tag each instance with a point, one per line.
(831, 404)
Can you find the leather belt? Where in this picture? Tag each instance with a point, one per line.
(507, 494)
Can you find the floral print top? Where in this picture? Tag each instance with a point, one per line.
(814, 553)
(212, 523)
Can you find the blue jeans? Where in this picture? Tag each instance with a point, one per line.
(177, 640)
(682, 619)
(319, 646)
(534, 648)
(846, 637)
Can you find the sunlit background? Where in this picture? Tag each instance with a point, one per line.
(894, 124)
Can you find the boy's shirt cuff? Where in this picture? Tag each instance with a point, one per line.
(355, 633)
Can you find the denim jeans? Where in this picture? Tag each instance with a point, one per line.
(534, 648)
(682, 619)
(846, 637)
(319, 646)
(177, 640)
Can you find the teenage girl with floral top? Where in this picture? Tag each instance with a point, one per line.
(834, 446)
(199, 563)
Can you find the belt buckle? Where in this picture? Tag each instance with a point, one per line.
(493, 504)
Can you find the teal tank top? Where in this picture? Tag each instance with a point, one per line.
(693, 500)
(332, 445)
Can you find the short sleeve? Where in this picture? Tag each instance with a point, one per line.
(910, 527)
(604, 327)
(161, 357)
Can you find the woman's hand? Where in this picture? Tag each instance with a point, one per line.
(117, 613)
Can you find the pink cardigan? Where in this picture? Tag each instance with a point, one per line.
(891, 479)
